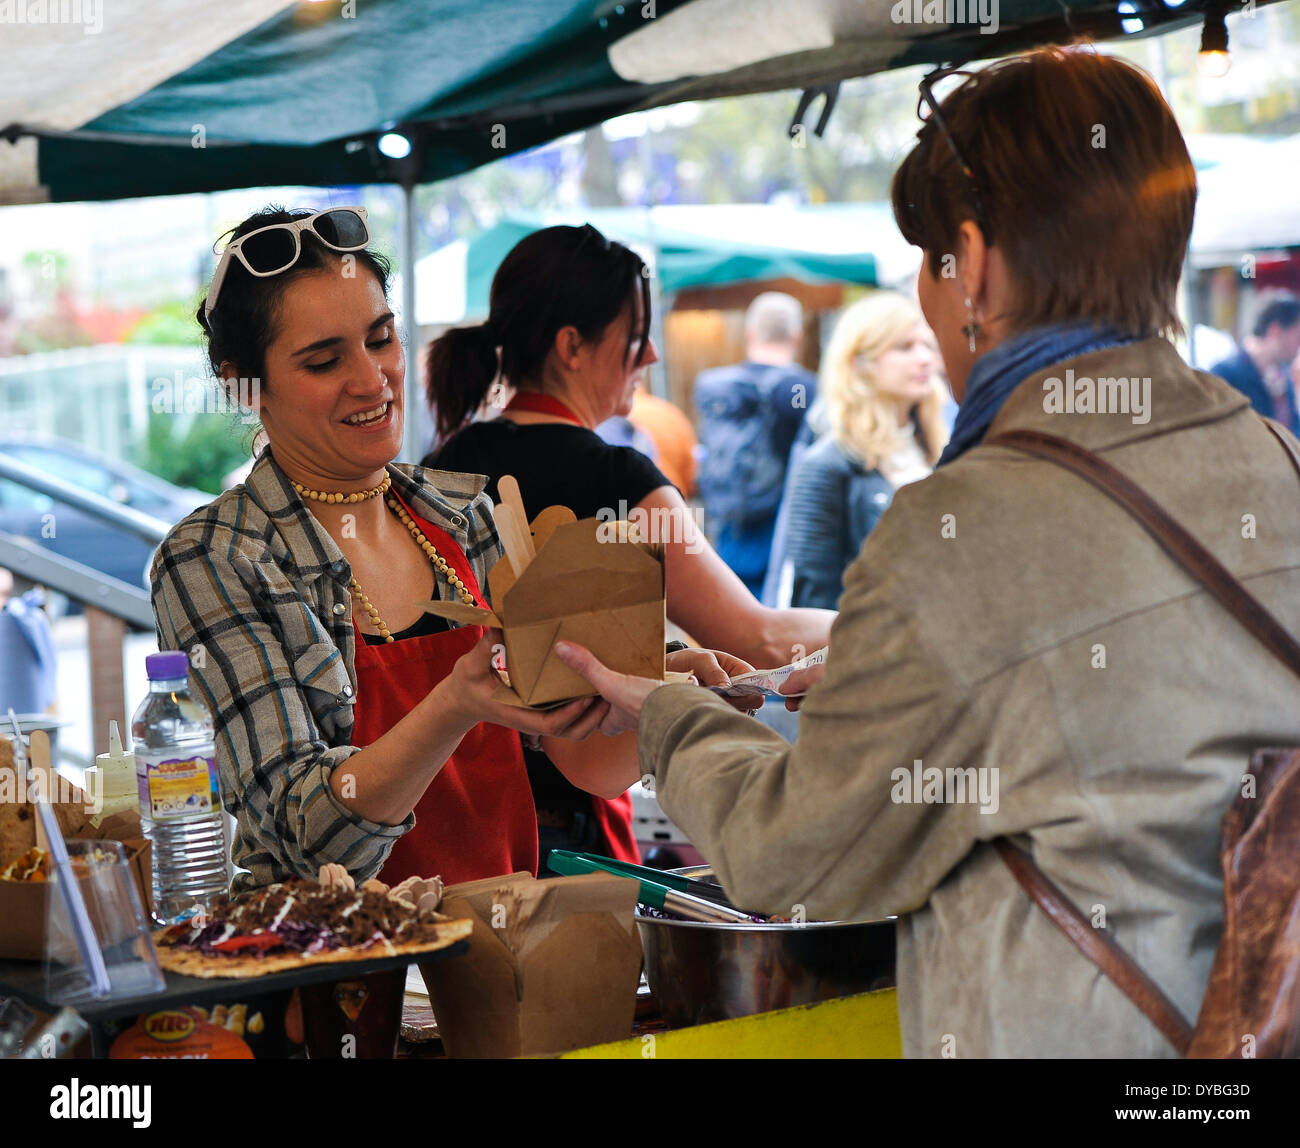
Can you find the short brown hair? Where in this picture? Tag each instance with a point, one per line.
(1084, 179)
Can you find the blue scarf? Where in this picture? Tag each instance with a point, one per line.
(996, 374)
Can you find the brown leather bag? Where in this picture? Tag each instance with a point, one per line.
(1252, 1001)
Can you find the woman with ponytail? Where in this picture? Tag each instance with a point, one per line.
(568, 334)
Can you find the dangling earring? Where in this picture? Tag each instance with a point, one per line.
(972, 329)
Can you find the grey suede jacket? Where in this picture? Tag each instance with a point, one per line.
(1009, 623)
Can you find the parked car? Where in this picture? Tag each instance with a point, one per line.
(75, 534)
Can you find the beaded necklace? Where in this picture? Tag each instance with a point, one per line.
(439, 562)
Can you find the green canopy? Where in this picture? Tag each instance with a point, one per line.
(191, 96)
(709, 246)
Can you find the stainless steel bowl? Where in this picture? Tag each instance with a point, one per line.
(701, 972)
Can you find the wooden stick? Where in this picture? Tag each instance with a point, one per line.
(508, 490)
(512, 534)
(40, 766)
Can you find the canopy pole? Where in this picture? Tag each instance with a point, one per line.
(657, 375)
(417, 435)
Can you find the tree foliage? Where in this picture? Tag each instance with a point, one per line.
(200, 454)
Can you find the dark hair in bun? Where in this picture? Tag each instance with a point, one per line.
(554, 278)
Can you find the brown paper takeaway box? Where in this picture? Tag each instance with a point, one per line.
(23, 904)
(553, 965)
(587, 584)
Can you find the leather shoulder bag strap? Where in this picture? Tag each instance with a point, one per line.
(1281, 436)
(1177, 542)
(1202, 565)
(1113, 961)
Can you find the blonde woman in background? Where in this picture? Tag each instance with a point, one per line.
(882, 410)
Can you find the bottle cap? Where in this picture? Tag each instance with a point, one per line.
(167, 665)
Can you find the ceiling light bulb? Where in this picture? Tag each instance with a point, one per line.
(1215, 65)
(1213, 58)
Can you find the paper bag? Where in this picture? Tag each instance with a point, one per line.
(553, 965)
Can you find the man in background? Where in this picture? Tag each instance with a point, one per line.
(1260, 369)
(748, 416)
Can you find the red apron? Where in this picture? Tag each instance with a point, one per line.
(477, 817)
(614, 816)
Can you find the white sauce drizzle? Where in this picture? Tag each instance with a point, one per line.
(288, 901)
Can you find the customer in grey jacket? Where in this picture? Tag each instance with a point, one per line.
(1008, 624)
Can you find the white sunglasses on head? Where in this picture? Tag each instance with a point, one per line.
(278, 246)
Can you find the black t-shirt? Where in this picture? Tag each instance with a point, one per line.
(429, 624)
(555, 464)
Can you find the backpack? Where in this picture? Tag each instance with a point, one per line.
(1251, 1006)
(746, 425)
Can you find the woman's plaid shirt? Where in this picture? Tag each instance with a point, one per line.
(256, 591)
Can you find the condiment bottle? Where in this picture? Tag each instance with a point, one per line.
(112, 780)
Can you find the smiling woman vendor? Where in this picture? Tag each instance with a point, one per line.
(1007, 620)
(351, 726)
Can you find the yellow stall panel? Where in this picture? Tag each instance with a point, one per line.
(865, 1025)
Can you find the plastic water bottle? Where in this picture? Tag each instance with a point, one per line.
(180, 792)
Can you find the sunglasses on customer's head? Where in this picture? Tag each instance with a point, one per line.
(927, 100)
(275, 248)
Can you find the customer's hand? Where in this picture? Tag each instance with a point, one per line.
(624, 693)
(799, 683)
(474, 680)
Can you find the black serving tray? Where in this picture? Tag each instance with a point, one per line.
(26, 981)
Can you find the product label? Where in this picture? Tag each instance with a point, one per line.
(188, 1034)
(175, 787)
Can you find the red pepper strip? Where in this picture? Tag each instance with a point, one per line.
(261, 941)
